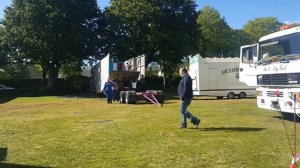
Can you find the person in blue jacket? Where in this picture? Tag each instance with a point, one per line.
(185, 92)
(108, 90)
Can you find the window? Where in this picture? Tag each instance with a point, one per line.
(280, 48)
(249, 54)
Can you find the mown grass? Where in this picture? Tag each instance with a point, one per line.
(86, 132)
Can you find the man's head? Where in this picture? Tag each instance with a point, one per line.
(182, 71)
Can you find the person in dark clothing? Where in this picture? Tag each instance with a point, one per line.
(185, 92)
(108, 89)
(126, 84)
(115, 90)
(133, 85)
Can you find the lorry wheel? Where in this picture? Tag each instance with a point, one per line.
(122, 97)
(231, 95)
(242, 95)
(130, 98)
(127, 98)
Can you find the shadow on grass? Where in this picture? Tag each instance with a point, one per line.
(216, 99)
(176, 97)
(3, 155)
(287, 117)
(142, 102)
(7, 97)
(169, 103)
(4, 97)
(7, 165)
(76, 93)
(239, 129)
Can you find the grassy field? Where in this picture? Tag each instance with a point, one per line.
(86, 132)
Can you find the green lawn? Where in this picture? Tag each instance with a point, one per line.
(86, 132)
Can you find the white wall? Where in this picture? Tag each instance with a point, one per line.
(104, 70)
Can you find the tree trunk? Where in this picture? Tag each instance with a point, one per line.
(53, 77)
(44, 74)
(167, 76)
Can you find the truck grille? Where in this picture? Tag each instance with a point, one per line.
(274, 94)
(274, 79)
(279, 79)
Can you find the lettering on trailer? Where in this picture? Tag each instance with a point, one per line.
(275, 68)
(230, 70)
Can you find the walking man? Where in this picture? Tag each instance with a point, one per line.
(185, 92)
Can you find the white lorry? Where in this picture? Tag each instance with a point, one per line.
(273, 64)
(217, 77)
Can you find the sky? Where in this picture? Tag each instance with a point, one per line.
(236, 12)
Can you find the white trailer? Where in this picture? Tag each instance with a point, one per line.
(217, 77)
(100, 74)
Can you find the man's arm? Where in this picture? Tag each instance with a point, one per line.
(184, 89)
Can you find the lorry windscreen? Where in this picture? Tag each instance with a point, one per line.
(283, 48)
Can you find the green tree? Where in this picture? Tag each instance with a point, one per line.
(52, 33)
(166, 31)
(3, 49)
(216, 34)
(129, 26)
(260, 27)
(238, 39)
(175, 34)
(17, 71)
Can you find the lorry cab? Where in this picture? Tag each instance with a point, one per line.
(274, 69)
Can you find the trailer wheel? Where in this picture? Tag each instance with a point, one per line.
(122, 97)
(242, 95)
(160, 98)
(127, 98)
(130, 98)
(231, 95)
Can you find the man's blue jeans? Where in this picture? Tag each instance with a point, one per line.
(183, 110)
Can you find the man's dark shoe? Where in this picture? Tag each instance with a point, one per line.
(182, 126)
(197, 123)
